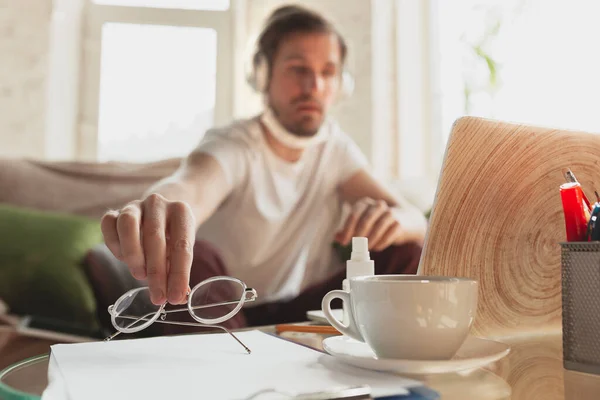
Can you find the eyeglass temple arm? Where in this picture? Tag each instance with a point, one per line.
(184, 324)
(249, 291)
(207, 326)
(249, 295)
(136, 320)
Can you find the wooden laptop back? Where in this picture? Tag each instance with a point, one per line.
(497, 217)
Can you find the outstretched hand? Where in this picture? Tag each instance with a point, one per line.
(154, 238)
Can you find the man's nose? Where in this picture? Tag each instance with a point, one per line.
(313, 83)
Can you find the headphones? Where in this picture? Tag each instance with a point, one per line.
(258, 74)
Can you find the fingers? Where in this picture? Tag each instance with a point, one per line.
(128, 228)
(369, 217)
(379, 237)
(155, 239)
(181, 241)
(389, 237)
(345, 235)
(374, 220)
(108, 225)
(155, 248)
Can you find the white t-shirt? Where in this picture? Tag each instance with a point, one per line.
(276, 228)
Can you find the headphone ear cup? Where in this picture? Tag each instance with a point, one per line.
(259, 74)
(347, 84)
(262, 75)
(251, 78)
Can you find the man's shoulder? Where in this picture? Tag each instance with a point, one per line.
(338, 136)
(241, 131)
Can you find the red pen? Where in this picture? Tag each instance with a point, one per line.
(571, 178)
(575, 212)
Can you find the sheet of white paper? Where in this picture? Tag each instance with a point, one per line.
(207, 367)
(56, 389)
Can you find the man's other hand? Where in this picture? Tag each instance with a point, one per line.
(155, 238)
(372, 219)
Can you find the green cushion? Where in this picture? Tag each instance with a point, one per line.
(41, 271)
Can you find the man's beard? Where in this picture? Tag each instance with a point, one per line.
(299, 128)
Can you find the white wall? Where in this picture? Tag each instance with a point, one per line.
(24, 26)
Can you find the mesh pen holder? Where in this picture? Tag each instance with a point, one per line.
(580, 264)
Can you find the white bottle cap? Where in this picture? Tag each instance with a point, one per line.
(360, 249)
(360, 263)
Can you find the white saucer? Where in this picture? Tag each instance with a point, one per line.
(474, 353)
(318, 316)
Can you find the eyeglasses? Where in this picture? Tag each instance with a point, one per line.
(210, 302)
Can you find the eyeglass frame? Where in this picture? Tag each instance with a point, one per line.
(248, 295)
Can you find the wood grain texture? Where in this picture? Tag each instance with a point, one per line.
(497, 217)
(533, 368)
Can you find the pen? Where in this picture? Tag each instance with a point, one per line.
(575, 212)
(323, 329)
(593, 231)
(570, 177)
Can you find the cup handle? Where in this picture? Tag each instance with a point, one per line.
(351, 330)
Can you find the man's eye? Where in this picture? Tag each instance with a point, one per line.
(299, 69)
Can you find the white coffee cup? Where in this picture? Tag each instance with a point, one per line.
(408, 317)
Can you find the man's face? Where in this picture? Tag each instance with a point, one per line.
(305, 79)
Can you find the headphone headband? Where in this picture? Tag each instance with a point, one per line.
(258, 73)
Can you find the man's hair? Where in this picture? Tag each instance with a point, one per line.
(288, 20)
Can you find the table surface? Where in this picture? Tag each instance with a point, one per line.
(532, 370)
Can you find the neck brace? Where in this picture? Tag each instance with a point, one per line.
(287, 138)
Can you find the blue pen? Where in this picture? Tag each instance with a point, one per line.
(593, 228)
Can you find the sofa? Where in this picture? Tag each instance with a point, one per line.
(54, 267)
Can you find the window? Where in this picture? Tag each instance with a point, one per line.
(157, 90)
(156, 75)
(528, 61)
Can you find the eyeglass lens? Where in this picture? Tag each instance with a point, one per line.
(135, 311)
(216, 299)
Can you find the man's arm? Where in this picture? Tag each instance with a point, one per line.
(155, 235)
(200, 182)
(379, 215)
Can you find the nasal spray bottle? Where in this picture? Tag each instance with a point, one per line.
(359, 264)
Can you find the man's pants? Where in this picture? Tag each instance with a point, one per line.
(207, 263)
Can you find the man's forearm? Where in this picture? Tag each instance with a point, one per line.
(200, 183)
(171, 189)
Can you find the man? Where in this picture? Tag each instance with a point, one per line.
(264, 196)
